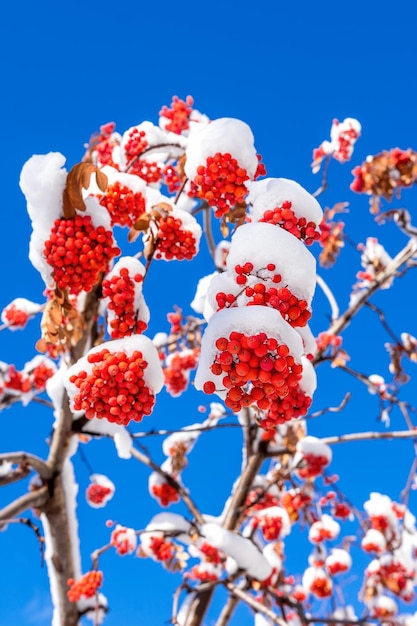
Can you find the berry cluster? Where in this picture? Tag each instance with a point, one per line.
(101, 146)
(294, 501)
(123, 204)
(121, 292)
(177, 371)
(171, 178)
(85, 586)
(165, 493)
(285, 217)
(14, 317)
(149, 171)
(293, 310)
(161, 549)
(178, 115)
(174, 241)
(96, 494)
(135, 145)
(39, 375)
(256, 359)
(220, 182)
(271, 527)
(281, 410)
(79, 252)
(258, 500)
(114, 389)
(17, 381)
(124, 540)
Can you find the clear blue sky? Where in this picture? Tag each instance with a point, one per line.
(287, 69)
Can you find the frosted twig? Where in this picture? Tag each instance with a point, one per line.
(32, 499)
(370, 435)
(330, 297)
(255, 605)
(33, 461)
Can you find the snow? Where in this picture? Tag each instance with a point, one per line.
(20, 304)
(95, 609)
(224, 135)
(270, 193)
(199, 300)
(261, 244)
(70, 488)
(57, 619)
(276, 512)
(119, 434)
(42, 181)
(152, 375)
(250, 321)
(242, 550)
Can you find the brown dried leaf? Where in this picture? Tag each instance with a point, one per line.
(77, 179)
(142, 224)
(224, 229)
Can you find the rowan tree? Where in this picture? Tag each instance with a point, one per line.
(244, 347)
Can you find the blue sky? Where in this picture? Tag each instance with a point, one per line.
(287, 69)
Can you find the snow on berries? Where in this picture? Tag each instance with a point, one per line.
(220, 159)
(178, 236)
(317, 582)
(124, 540)
(177, 368)
(277, 273)
(116, 380)
(273, 522)
(99, 491)
(162, 490)
(312, 457)
(128, 313)
(339, 561)
(176, 118)
(84, 587)
(343, 136)
(245, 366)
(283, 202)
(18, 312)
(124, 198)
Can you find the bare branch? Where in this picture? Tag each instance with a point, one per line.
(331, 409)
(208, 231)
(227, 610)
(143, 458)
(255, 605)
(330, 297)
(324, 182)
(30, 500)
(402, 257)
(240, 494)
(368, 436)
(24, 458)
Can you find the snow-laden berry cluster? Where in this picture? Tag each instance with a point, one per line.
(251, 353)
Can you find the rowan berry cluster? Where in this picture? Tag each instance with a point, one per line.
(171, 178)
(96, 494)
(177, 370)
(123, 204)
(165, 493)
(114, 389)
(221, 182)
(79, 253)
(285, 217)
(134, 146)
(124, 540)
(174, 241)
(149, 171)
(281, 410)
(14, 317)
(40, 374)
(270, 526)
(86, 586)
(162, 550)
(293, 310)
(178, 115)
(121, 291)
(256, 359)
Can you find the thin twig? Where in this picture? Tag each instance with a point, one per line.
(370, 435)
(330, 297)
(143, 458)
(31, 460)
(255, 605)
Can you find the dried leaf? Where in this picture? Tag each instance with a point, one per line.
(77, 179)
(142, 224)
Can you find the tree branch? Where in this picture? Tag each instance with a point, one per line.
(368, 436)
(338, 325)
(24, 458)
(255, 605)
(143, 458)
(30, 500)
